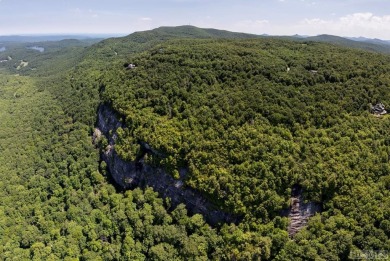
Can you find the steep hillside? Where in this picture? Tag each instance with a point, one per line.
(84, 81)
(140, 41)
(249, 119)
(56, 205)
(165, 33)
(260, 131)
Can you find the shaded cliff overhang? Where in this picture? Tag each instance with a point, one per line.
(137, 173)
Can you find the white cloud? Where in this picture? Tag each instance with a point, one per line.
(366, 21)
(356, 24)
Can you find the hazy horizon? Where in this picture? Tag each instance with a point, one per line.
(107, 35)
(358, 18)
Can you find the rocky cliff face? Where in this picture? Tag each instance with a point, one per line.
(300, 212)
(132, 174)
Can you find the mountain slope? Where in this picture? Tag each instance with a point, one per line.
(190, 32)
(364, 45)
(241, 121)
(251, 118)
(56, 204)
(139, 41)
(370, 40)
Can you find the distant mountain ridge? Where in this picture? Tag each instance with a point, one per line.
(374, 45)
(165, 32)
(370, 40)
(187, 31)
(44, 38)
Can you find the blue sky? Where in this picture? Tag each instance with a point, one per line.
(369, 18)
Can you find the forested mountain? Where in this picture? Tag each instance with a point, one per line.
(45, 38)
(369, 44)
(370, 40)
(247, 119)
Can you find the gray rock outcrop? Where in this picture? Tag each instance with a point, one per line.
(378, 109)
(129, 175)
(300, 212)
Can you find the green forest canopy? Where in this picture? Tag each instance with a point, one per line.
(249, 118)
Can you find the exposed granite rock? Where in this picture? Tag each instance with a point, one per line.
(97, 134)
(137, 173)
(300, 212)
(378, 109)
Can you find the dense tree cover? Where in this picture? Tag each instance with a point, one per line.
(249, 118)
(55, 56)
(56, 205)
(74, 74)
